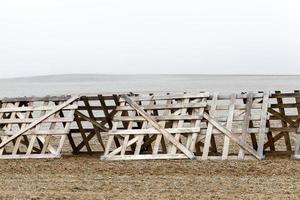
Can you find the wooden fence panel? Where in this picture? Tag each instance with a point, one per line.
(189, 126)
(35, 127)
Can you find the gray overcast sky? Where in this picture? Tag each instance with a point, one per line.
(154, 36)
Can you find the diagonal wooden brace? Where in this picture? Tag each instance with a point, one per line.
(283, 117)
(92, 121)
(155, 125)
(229, 134)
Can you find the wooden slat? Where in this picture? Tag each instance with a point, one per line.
(111, 137)
(245, 128)
(32, 99)
(201, 130)
(33, 156)
(96, 107)
(90, 97)
(179, 124)
(92, 121)
(238, 107)
(282, 117)
(31, 108)
(159, 118)
(163, 107)
(209, 131)
(262, 131)
(284, 124)
(238, 96)
(105, 111)
(155, 125)
(286, 105)
(30, 120)
(170, 96)
(18, 140)
(140, 138)
(228, 126)
(192, 138)
(284, 95)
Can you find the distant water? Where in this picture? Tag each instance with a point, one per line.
(74, 84)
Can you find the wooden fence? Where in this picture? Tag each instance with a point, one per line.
(162, 126)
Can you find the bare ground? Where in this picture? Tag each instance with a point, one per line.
(86, 177)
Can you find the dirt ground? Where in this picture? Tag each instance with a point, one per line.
(86, 177)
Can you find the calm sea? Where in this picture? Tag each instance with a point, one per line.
(74, 84)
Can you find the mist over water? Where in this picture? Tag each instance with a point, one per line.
(75, 84)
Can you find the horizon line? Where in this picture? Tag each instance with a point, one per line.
(136, 74)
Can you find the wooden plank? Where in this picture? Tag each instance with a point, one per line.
(155, 125)
(38, 121)
(32, 156)
(209, 130)
(281, 117)
(111, 137)
(228, 126)
(297, 146)
(46, 144)
(163, 107)
(32, 99)
(297, 142)
(82, 133)
(179, 124)
(262, 131)
(284, 95)
(18, 140)
(167, 157)
(281, 105)
(63, 137)
(32, 108)
(159, 137)
(193, 142)
(126, 138)
(237, 140)
(159, 118)
(140, 140)
(170, 96)
(201, 130)
(235, 131)
(298, 109)
(223, 96)
(36, 132)
(246, 123)
(96, 107)
(92, 121)
(146, 157)
(119, 149)
(238, 107)
(284, 129)
(284, 124)
(30, 120)
(37, 128)
(93, 97)
(105, 111)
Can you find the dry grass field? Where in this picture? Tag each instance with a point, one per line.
(86, 177)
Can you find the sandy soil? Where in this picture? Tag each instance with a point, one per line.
(86, 177)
